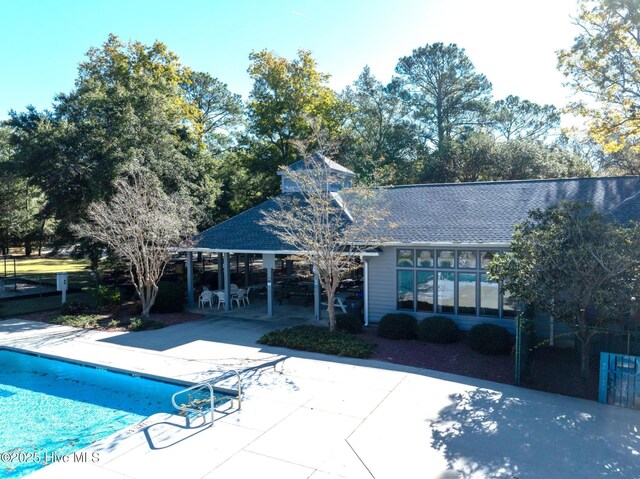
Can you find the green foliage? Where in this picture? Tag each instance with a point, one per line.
(75, 308)
(348, 323)
(603, 67)
(141, 324)
(170, 298)
(87, 321)
(490, 339)
(108, 296)
(318, 340)
(514, 118)
(398, 326)
(438, 329)
(446, 97)
(286, 99)
(568, 259)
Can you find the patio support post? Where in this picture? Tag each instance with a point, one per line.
(247, 269)
(269, 262)
(269, 291)
(365, 293)
(227, 283)
(220, 277)
(189, 262)
(316, 294)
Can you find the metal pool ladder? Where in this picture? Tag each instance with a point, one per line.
(209, 385)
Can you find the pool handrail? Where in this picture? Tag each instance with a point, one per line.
(210, 387)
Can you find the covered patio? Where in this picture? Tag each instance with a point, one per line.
(275, 286)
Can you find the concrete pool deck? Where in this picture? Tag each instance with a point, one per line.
(313, 416)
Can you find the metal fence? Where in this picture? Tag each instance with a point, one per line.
(551, 356)
(29, 293)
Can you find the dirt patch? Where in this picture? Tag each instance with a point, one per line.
(456, 358)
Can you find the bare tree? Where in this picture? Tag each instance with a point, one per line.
(140, 224)
(328, 229)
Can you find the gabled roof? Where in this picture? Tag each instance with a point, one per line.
(463, 213)
(317, 160)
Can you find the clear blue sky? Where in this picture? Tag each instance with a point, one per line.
(513, 42)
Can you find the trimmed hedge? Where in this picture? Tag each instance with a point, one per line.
(348, 323)
(438, 329)
(398, 326)
(170, 298)
(319, 340)
(490, 339)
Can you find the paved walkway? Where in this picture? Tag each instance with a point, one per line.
(314, 416)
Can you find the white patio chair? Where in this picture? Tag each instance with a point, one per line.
(249, 289)
(205, 297)
(241, 295)
(221, 297)
(233, 289)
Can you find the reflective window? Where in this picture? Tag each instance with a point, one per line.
(405, 257)
(405, 289)
(424, 287)
(425, 258)
(446, 259)
(509, 306)
(467, 293)
(485, 258)
(467, 259)
(488, 296)
(446, 288)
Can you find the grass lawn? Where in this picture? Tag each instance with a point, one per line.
(36, 265)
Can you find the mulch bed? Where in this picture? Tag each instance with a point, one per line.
(455, 358)
(167, 319)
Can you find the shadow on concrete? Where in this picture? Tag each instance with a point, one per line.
(587, 438)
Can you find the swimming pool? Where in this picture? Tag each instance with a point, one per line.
(51, 408)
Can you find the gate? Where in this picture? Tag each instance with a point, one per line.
(619, 380)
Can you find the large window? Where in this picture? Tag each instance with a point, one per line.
(449, 281)
(405, 289)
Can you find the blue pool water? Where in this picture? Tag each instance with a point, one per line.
(51, 408)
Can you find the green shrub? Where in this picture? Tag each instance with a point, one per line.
(438, 329)
(74, 308)
(77, 321)
(397, 326)
(489, 339)
(141, 324)
(320, 340)
(109, 297)
(348, 323)
(170, 298)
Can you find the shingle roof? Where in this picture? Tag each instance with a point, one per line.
(487, 212)
(467, 213)
(316, 159)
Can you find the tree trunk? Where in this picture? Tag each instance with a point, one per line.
(27, 248)
(331, 309)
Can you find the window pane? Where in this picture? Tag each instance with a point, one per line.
(485, 258)
(425, 290)
(425, 258)
(488, 296)
(405, 257)
(405, 290)
(445, 292)
(467, 259)
(445, 259)
(509, 306)
(467, 293)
